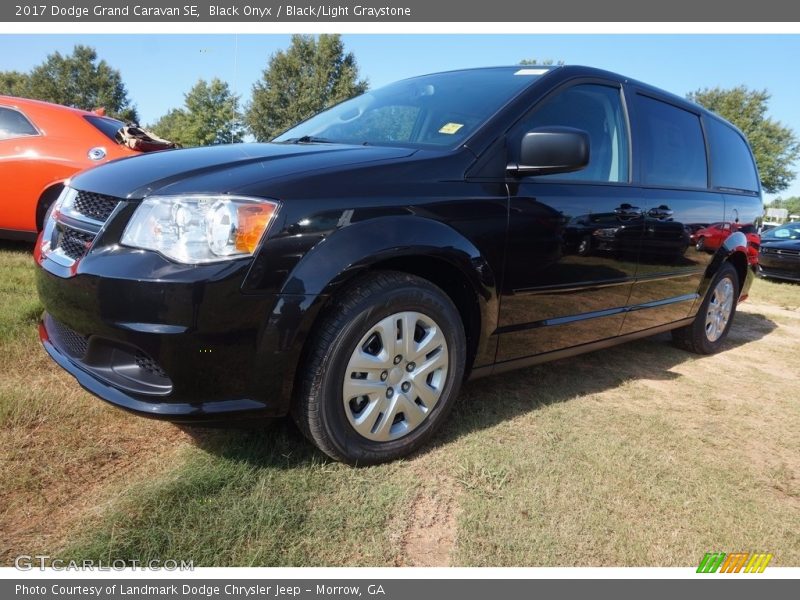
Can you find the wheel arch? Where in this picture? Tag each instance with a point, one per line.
(46, 198)
(739, 260)
(733, 250)
(416, 245)
(452, 281)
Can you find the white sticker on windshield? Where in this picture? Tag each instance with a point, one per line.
(531, 72)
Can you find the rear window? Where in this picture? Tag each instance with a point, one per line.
(731, 162)
(109, 127)
(14, 124)
(673, 152)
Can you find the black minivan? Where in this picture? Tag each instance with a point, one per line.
(357, 269)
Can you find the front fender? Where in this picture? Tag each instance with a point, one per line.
(353, 249)
(358, 246)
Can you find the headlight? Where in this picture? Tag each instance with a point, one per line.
(199, 229)
(606, 232)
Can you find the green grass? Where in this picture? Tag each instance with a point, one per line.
(785, 294)
(256, 499)
(19, 312)
(57, 443)
(638, 455)
(19, 306)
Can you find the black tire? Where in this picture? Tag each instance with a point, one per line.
(701, 244)
(695, 337)
(46, 200)
(319, 407)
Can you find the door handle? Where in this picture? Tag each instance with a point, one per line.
(660, 212)
(626, 211)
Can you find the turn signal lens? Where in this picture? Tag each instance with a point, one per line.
(253, 220)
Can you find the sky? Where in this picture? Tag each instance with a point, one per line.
(159, 69)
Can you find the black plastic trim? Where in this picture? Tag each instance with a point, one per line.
(528, 361)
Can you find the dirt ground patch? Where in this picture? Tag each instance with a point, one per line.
(432, 526)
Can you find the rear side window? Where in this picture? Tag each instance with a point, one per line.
(109, 127)
(673, 149)
(731, 163)
(14, 124)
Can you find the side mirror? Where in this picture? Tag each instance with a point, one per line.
(548, 150)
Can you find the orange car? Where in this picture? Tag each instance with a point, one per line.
(42, 145)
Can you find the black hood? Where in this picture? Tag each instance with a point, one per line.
(222, 169)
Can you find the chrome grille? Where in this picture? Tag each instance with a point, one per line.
(73, 242)
(74, 223)
(780, 251)
(95, 206)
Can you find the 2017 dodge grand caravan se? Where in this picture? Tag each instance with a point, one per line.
(353, 272)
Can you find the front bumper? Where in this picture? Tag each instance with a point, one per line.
(779, 267)
(171, 342)
(190, 412)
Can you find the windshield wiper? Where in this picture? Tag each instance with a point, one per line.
(309, 139)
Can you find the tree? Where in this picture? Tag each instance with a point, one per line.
(535, 62)
(792, 204)
(171, 127)
(77, 80)
(312, 74)
(210, 116)
(13, 83)
(774, 145)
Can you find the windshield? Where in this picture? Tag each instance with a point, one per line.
(107, 126)
(790, 231)
(433, 110)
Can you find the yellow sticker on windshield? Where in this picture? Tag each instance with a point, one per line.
(451, 128)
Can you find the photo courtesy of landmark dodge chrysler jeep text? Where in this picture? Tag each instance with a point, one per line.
(353, 272)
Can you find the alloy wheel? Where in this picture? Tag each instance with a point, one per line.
(719, 309)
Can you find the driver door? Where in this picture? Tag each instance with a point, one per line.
(573, 238)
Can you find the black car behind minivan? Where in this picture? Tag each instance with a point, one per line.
(353, 272)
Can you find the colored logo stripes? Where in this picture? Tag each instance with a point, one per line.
(745, 562)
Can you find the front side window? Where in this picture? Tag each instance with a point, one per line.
(14, 124)
(673, 146)
(595, 109)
